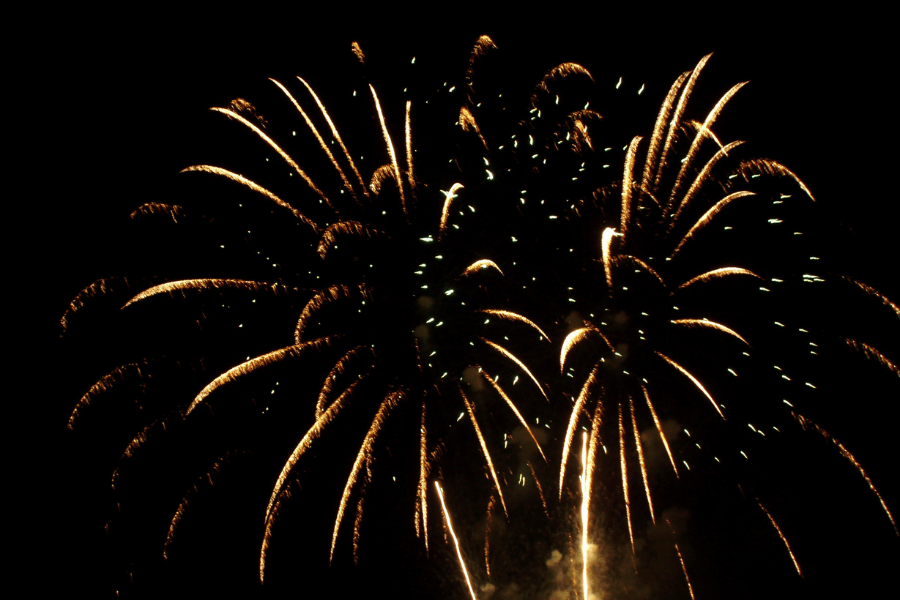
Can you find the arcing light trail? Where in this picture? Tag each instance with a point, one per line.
(462, 562)
(382, 335)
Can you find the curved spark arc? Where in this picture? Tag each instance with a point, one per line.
(103, 384)
(658, 128)
(515, 410)
(204, 480)
(706, 218)
(717, 273)
(322, 421)
(711, 324)
(693, 379)
(594, 443)
(557, 72)
(518, 362)
(287, 158)
(639, 263)
(331, 233)
(684, 569)
(710, 119)
(807, 424)
(573, 423)
(873, 354)
(873, 292)
(142, 437)
(449, 197)
(781, 535)
(484, 449)
(606, 248)
(252, 365)
(540, 488)
(770, 167)
(576, 336)
(479, 265)
(391, 153)
(505, 314)
(206, 284)
(330, 294)
(702, 177)
(659, 428)
(675, 122)
(322, 143)
(628, 186)
(363, 456)
(338, 369)
(255, 187)
(336, 135)
(640, 452)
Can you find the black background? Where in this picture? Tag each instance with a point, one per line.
(110, 113)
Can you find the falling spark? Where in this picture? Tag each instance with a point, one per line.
(254, 364)
(253, 186)
(872, 354)
(585, 499)
(314, 432)
(640, 451)
(624, 466)
(391, 153)
(693, 379)
(459, 555)
(484, 450)
(659, 428)
(781, 535)
(684, 569)
(518, 362)
(573, 422)
(334, 131)
(233, 115)
(873, 292)
(364, 452)
(515, 410)
(807, 424)
(322, 143)
(710, 324)
(707, 217)
(424, 467)
(627, 186)
(505, 314)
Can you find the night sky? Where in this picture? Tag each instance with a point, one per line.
(115, 114)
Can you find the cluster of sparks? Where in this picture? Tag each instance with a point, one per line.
(659, 214)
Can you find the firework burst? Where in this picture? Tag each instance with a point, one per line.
(405, 318)
(403, 341)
